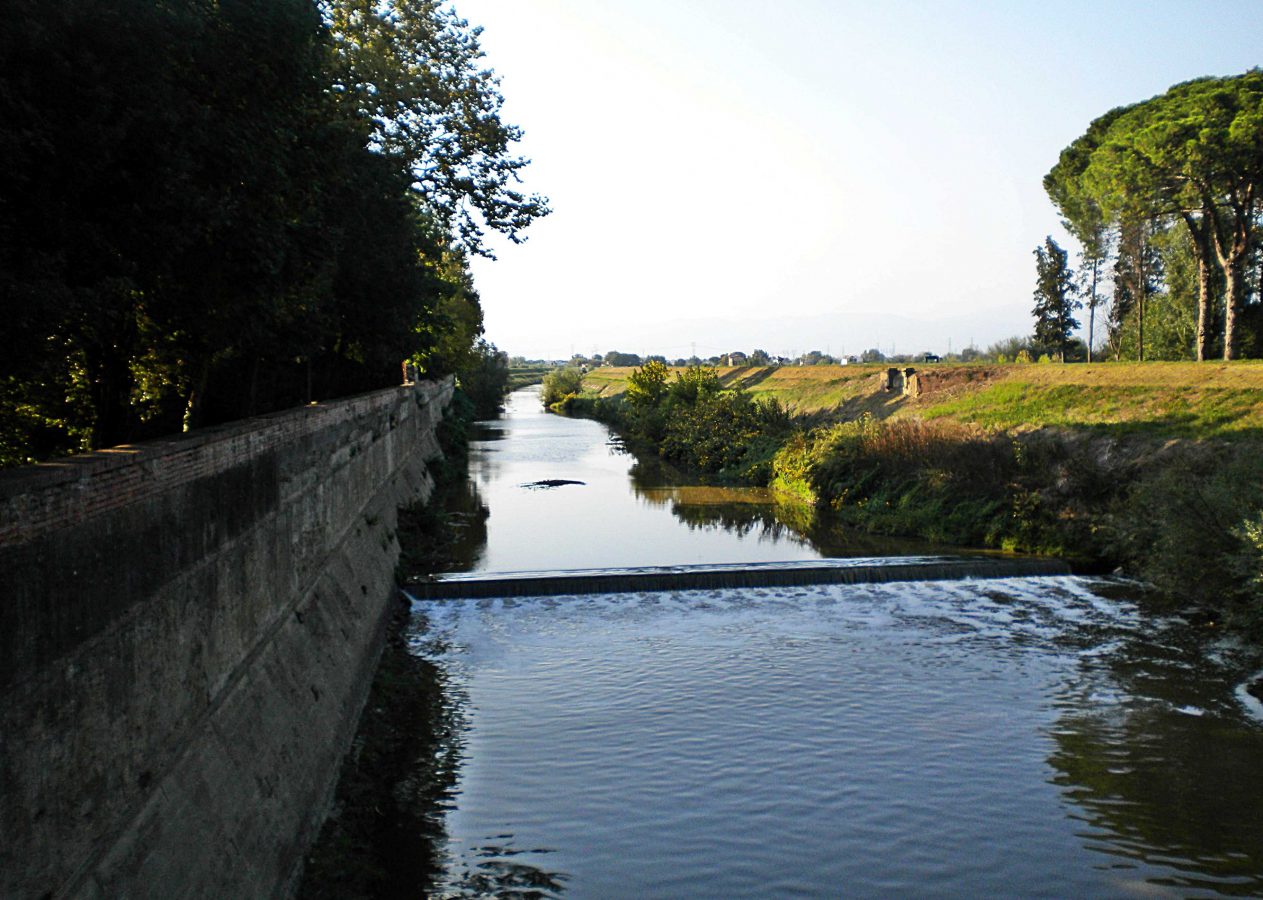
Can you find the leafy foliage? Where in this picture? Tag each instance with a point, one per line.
(202, 220)
(1194, 526)
(1193, 155)
(561, 383)
(485, 379)
(413, 70)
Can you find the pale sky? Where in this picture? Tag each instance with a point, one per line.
(806, 174)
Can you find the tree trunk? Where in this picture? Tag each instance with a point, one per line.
(110, 378)
(1234, 299)
(1202, 250)
(1232, 237)
(1204, 276)
(1092, 306)
(1141, 290)
(108, 344)
(252, 407)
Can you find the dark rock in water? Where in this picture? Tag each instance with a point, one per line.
(549, 483)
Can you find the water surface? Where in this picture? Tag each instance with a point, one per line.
(1022, 737)
(1026, 737)
(625, 512)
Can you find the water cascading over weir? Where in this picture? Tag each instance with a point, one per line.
(857, 570)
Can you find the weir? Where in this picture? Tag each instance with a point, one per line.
(739, 575)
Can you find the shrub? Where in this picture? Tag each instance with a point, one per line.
(726, 433)
(647, 385)
(695, 383)
(560, 383)
(1191, 525)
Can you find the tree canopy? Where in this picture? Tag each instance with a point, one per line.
(205, 216)
(1192, 155)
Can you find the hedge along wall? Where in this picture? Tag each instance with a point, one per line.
(188, 631)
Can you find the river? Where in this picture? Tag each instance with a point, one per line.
(1016, 737)
(623, 512)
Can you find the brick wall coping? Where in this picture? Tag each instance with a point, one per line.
(38, 498)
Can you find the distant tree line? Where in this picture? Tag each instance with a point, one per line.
(216, 208)
(1163, 197)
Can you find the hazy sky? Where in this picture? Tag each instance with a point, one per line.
(788, 175)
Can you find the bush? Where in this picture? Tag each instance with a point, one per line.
(725, 433)
(939, 480)
(561, 383)
(1192, 525)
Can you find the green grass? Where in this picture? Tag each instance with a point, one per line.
(1161, 399)
(1187, 412)
(522, 376)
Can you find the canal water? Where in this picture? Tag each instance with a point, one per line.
(563, 493)
(1019, 737)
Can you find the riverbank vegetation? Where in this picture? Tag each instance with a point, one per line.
(1104, 464)
(213, 210)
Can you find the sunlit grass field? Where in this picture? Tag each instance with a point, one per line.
(1159, 398)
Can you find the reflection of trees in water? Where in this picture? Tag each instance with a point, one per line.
(467, 519)
(758, 511)
(496, 874)
(447, 534)
(1158, 785)
(386, 836)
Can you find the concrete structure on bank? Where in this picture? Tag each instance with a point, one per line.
(187, 634)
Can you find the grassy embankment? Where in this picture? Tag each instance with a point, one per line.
(1177, 400)
(522, 376)
(1155, 467)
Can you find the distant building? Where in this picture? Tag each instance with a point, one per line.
(736, 359)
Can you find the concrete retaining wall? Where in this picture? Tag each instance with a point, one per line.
(187, 633)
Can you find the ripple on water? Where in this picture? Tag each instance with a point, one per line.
(1002, 737)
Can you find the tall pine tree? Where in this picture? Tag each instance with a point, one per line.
(1054, 299)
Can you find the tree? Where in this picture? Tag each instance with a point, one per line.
(1081, 211)
(1136, 277)
(1054, 298)
(1092, 257)
(618, 358)
(413, 70)
(1195, 154)
(485, 379)
(647, 385)
(212, 210)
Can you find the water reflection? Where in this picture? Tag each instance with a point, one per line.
(765, 514)
(426, 862)
(1161, 762)
(1020, 737)
(600, 517)
(467, 523)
